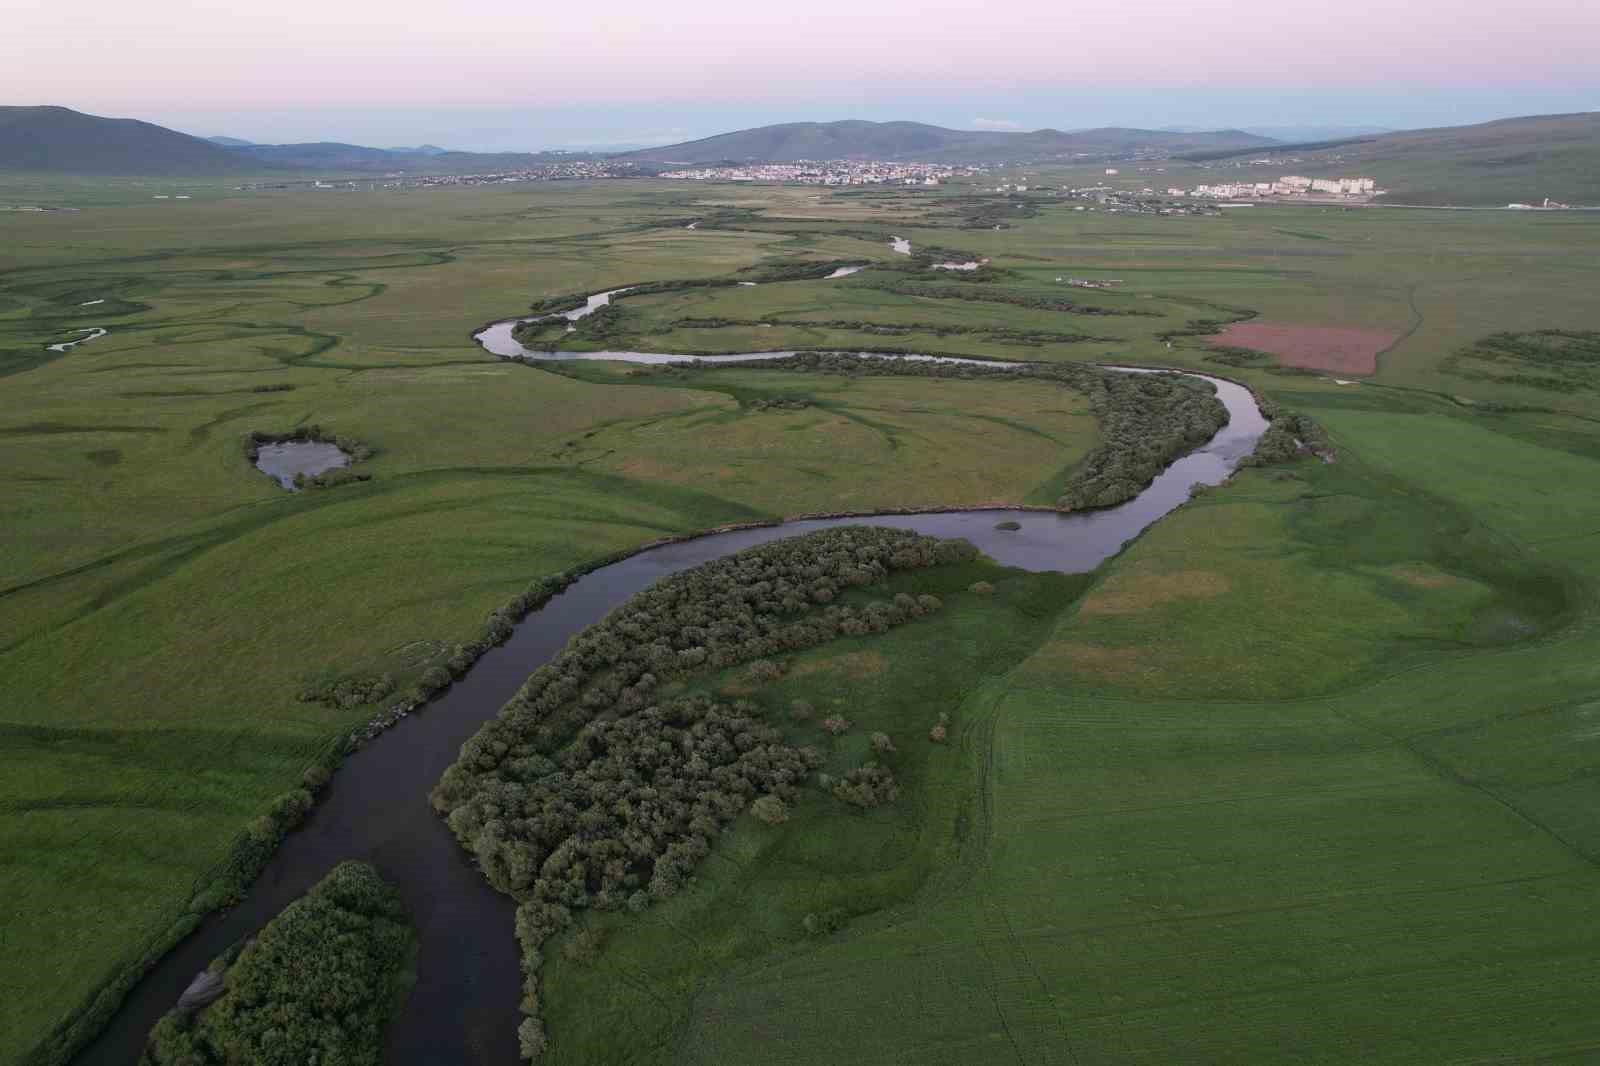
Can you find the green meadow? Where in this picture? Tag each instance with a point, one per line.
(1306, 774)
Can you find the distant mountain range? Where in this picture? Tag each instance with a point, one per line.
(1297, 134)
(333, 156)
(60, 140)
(1511, 160)
(891, 141)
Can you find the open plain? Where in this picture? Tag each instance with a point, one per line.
(1309, 773)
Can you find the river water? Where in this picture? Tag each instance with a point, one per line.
(464, 1006)
(93, 333)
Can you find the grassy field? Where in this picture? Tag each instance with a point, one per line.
(1327, 799)
(1309, 767)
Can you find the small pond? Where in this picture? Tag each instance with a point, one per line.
(282, 461)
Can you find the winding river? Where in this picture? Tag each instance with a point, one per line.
(464, 1006)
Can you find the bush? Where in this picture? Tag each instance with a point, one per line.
(867, 787)
(941, 729)
(836, 724)
(770, 809)
(982, 588)
(800, 710)
(882, 744)
(583, 946)
(348, 691)
(764, 671)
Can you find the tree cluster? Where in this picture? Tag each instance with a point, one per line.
(316, 985)
(589, 791)
(867, 786)
(1288, 436)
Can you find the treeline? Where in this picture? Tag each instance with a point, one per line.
(316, 985)
(1146, 420)
(1002, 334)
(987, 212)
(1036, 301)
(587, 790)
(761, 274)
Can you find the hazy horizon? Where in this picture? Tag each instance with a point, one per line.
(492, 75)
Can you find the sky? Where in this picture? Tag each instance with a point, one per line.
(528, 74)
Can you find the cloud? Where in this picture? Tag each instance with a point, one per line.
(996, 124)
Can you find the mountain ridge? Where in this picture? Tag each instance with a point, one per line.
(922, 142)
(61, 140)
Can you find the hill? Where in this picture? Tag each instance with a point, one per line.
(335, 156)
(918, 141)
(60, 140)
(1521, 160)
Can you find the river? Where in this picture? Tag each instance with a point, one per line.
(464, 1006)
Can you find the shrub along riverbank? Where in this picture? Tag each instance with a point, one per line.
(316, 985)
(590, 791)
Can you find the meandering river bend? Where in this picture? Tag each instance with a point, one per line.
(464, 1006)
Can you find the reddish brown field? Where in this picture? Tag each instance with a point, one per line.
(1347, 351)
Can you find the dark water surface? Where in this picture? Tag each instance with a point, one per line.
(282, 461)
(464, 1006)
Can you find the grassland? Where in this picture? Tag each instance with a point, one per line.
(1309, 767)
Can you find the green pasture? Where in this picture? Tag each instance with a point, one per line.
(1306, 808)
(1309, 766)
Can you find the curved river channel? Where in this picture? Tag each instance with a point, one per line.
(464, 1006)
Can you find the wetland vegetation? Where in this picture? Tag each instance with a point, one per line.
(316, 985)
(1309, 767)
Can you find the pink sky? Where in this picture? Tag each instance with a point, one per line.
(532, 73)
(121, 56)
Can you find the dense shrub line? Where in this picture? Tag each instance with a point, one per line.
(316, 985)
(1036, 301)
(1288, 436)
(1146, 420)
(588, 791)
(900, 329)
(763, 273)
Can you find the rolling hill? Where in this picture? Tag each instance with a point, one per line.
(60, 140)
(326, 156)
(936, 144)
(63, 141)
(1514, 160)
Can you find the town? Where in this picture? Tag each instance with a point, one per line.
(830, 172)
(1288, 186)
